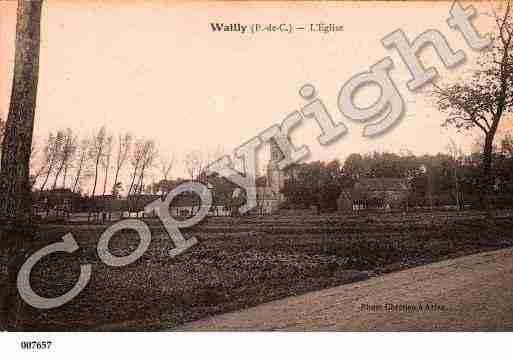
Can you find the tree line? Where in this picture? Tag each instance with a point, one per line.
(70, 162)
(444, 179)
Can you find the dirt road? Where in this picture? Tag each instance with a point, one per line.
(467, 293)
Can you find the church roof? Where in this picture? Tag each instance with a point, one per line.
(374, 187)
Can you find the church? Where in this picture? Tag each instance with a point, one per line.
(270, 196)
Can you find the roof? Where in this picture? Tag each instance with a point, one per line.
(382, 184)
(374, 187)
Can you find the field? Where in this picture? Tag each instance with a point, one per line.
(241, 262)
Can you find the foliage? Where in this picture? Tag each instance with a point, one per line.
(482, 99)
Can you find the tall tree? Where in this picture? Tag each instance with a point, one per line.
(66, 152)
(166, 163)
(481, 100)
(148, 158)
(194, 162)
(96, 153)
(51, 156)
(80, 162)
(143, 158)
(69, 152)
(124, 146)
(59, 157)
(15, 196)
(105, 162)
(136, 158)
(37, 166)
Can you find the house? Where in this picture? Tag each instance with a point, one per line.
(58, 201)
(375, 193)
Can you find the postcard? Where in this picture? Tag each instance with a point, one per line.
(261, 166)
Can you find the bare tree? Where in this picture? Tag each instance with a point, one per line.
(166, 165)
(194, 162)
(15, 197)
(96, 152)
(143, 156)
(59, 155)
(136, 158)
(105, 162)
(166, 162)
(69, 152)
(52, 151)
(36, 167)
(148, 158)
(481, 100)
(124, 146)
(65, 154)
(80, 162)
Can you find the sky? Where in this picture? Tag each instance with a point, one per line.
(156, 69)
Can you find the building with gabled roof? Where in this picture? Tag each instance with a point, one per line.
(375, 193)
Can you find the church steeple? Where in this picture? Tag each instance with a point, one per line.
(275, 176)
(276, 154)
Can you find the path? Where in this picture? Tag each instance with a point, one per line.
(467, 293)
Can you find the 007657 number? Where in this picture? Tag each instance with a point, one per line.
(40, 345)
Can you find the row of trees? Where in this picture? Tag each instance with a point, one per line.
(102, 161)
(443, 179)
(98, 164)
(91, 173)
(68, 161)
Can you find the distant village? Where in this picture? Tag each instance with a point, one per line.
(368, 182)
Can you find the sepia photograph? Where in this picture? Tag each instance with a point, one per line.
(340, 172)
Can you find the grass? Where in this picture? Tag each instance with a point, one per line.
(242, 262)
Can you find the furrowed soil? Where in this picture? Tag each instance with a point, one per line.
(242, 262)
